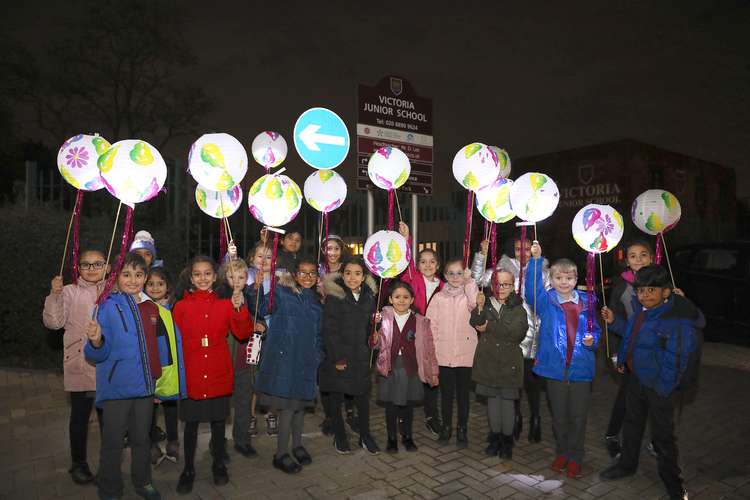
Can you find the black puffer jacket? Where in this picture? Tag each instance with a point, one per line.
(347, 325)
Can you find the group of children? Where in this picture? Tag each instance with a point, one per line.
(516, 327)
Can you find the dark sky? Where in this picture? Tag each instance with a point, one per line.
(532, 77)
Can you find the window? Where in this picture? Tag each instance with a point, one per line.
(683, 258)
(715, 259)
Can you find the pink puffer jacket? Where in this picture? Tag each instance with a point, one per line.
(72, 310)
(449, 313)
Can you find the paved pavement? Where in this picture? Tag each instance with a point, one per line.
(713, 439)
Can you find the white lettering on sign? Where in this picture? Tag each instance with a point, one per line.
(394, 101)
(374, 108)
(579, 196)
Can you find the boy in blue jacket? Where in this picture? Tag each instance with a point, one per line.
(565, 356)
(655, 350)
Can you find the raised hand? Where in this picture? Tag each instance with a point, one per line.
(237, 299)
(588, 340)
(481, 328)
(56, 286)
(480, 300)
(484, 247)
(536, 249)
(94, 333)
(403, 230)
(608, 315)
(232, 250)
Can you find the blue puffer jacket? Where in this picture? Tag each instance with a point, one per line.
(293, 347)
(553, 337)
(122, 367)
(666, 330)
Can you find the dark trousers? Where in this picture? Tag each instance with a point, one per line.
(430, 401)
(361, 402)
(396, 413)
(569, 402)
(456, 382)
(131, 416)
(641, 404)
(241, 398)
(532, 385)
(78, 426)
(618, 409)
(170, 421)
(190, 438)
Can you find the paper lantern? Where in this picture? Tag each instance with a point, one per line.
(597, 228)
(475, 166)
(534, 197)
(77, 159)
(389, 168)
(217, 161)
(269, 149)
(656, 211)
(387, 254)
(274, 200)
(493, 201)
(325, 190)
(218, 204)
(133, 171)
(503, 161)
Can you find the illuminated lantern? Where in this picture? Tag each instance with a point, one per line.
(77, 161)
(503, 161)
(269, 149)
(656, 211)
(274, 200)
(218, 204)
(325, 190)
(534, 197)
(217, 161)
(387, 254)
(133, 171)
(493, 201)
(597, 228)
(476, 166)
(389, 168)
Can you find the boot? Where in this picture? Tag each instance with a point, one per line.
(495, 446)
(517, 426)
(507, 447)
(462, 438)
(535, 429)
(445, 435)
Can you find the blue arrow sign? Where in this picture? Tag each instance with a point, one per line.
(321, 138)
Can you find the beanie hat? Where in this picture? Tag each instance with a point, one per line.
(144, 240)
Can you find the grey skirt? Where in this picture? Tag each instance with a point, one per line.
(398, 387)
(503, 392)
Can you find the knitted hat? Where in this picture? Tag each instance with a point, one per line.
(143, 239)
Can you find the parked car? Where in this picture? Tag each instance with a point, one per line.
(716, 276)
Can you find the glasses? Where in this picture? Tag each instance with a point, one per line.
(85, 266)
(309, 274)
(454, 274)
(505, 285)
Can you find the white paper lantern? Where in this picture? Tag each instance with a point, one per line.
(133, 171)
(597, 228)
(77, 161)
(325, 190)
(218, 204)
(387, 254)
(493, 201)
(389, 168)
(534, 197)
(503, 161)
(274, 200)
(217, 161)
(475, 166)
(656, 211)
(269, 149)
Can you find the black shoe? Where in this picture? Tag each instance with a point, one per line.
(286, 464)
(326, 427)
(462, 438)
(368, 444)
(224, 456)
(408, 443)
(517, 426)
(148, 492)
(341, 446)
(352, 421)
(301, 455)
(445, 435)
(433, 426)
(495, 445)
(615, 472)
(613, 445)
(221, 476)
(683, 495)
(535, 429)
(246, 451)
(392, 446)
(185, 483)
(506, 450)
(80, 473)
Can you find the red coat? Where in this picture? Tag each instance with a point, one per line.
(208, 369)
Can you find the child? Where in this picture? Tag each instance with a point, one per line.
(70, 307)
(335, 253)
(498, 362)
(347, 322)
(145, 246)
(287, 373)
(655, 348)
(204, 320)
(565, 356)
(424, 281)
(455, 342)
(406, 360)
(123, 343)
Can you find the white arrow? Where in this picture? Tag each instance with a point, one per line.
(311, 138)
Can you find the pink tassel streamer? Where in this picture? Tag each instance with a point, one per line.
(127, 230)
(391, 194)
(591, 291)
(467, 233)
(659, 249)
(273, 270)
(76, 223)
(222, 240)
(493, 245)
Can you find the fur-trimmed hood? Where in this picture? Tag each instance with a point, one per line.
(333, 285)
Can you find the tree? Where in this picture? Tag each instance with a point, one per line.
(117, 67)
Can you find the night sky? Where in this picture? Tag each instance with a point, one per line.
(531, 77)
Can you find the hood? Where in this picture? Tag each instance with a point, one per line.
(333, 285)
